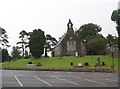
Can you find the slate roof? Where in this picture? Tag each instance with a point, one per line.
(61, 40)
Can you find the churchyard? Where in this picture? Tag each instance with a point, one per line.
(64, 62)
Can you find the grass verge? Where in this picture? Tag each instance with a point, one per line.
(56, 62)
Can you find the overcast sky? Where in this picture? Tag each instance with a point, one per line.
(52, 16)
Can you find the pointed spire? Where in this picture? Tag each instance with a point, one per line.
(69, 20)
(70, 27)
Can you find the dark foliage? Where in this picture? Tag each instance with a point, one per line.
(116, 18)
(23, 36)
(37, 43)
(5, 55)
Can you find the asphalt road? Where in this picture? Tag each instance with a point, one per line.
(17, 78)
(0, 78)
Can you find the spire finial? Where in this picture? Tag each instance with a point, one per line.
(69, 20)
(70, 27)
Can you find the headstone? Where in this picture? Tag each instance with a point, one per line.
(80, 65)
(86, 64)
(98, 63)
(29, 62)
(76, 54)
(39, 64)
(30, 65)
(71, 63)
(103, 63)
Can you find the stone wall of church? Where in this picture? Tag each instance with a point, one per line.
(71, 48)
(57, 51)
(70, 44)
(83, 49)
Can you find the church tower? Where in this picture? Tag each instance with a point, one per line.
(69, 44)
(70, 27)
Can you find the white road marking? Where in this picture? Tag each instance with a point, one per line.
(66, 80)
(11, 72)
(89, 80)
(44, 71)
(18, 81)
(56, 72)
(95, 81)
(95, 73)
(69, 72)
(76, 77)
(43, 81)
(111, 80)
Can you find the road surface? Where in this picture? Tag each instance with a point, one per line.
(18, 78)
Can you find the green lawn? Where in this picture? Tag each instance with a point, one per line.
(56, 62)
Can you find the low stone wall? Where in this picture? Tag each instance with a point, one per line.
(82, 69)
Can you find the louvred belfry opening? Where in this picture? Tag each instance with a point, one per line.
(70, 27)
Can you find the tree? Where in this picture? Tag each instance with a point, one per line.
(4, 42)
(4, 38)
(5, 55)
(88, 30)
(0, 54)
(15, 53)
(50, 43)
(112, 41)
(27, 52)
(96, 45)
(116, 18)
(87, 34)
(23, 42)
(37, 43)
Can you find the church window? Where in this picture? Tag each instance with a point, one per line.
(70, 38)
(70, 25)
(71, 45)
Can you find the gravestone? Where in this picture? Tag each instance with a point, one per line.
(71, 63)
(86, 64)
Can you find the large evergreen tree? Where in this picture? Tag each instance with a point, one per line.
(37, 43)
(4, 38)
(23, 42)
(3, 45)
(116, 18)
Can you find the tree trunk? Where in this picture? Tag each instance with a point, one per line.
(23, 51)
(46, 52)
(118, 30)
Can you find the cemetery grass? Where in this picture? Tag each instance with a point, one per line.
(64, 62)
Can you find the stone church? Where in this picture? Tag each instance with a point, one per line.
(69, 44)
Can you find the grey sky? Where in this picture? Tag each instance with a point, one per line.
(52, 16)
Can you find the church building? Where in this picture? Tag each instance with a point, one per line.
(69, 44)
